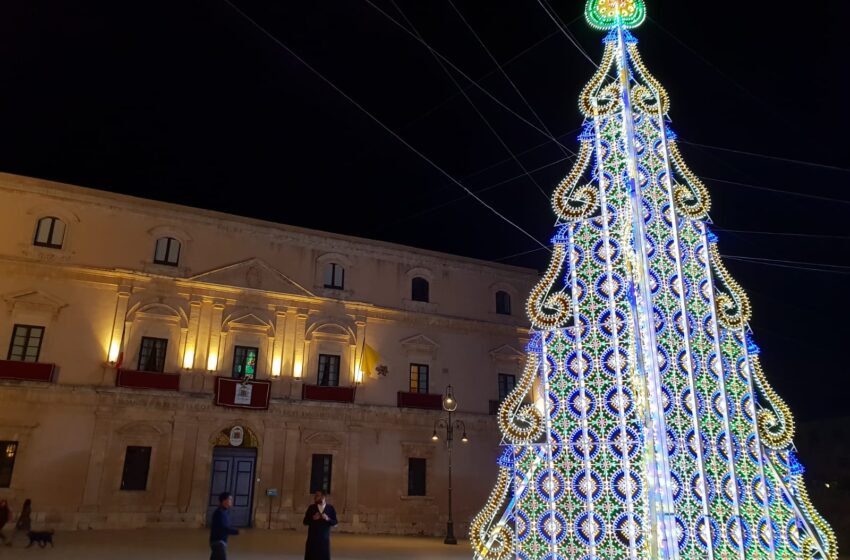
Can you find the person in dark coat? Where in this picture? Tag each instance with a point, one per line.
(220, 528)
(320, 517)
(5, 515)
(24, 522)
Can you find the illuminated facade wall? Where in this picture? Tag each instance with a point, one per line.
(94, 285)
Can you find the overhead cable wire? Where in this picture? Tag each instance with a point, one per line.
(708, 63)
(521, 153)
(747, 260)
(765, 156)
(460, 198)
(784, 233)
(520, 254)
(780, 191)
(782, 261)
(559, 24)
(380, 123)
(481, 79)
(779, 265)
(501, 70)
(472, 104)
(466, 76)
(761, 103)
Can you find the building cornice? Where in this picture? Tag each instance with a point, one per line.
(275, 232)
(187, 288)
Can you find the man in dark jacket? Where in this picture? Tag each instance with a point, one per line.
(220, 527)
(320, 517)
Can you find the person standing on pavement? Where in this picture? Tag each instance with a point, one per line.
(24, 522)
(320, 517)
(220, 527)
(5, 514)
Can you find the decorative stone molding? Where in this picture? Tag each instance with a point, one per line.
(420, 344)
(506, 353)
(252, 274)
(170, 231)
(324, 440)
(34, 301)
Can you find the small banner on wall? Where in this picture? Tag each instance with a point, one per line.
(235, 394)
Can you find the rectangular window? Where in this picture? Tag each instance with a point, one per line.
(26, 343)
(418, 378)
(334, 276)
(416, 476)
(137, 463)
(50, 232)
(328, 370)
(152, 354)
(9, 450)
(507, 383)
(320, 473)
(167, 251)
(245, 361)
(503, 303)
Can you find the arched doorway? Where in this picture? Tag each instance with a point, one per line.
(234, 467)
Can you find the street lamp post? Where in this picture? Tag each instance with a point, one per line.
(450, 405)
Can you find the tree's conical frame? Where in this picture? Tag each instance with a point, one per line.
(643, 426)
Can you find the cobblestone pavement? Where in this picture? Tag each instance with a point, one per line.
(180, 544)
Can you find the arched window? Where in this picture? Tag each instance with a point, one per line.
(419, 289)
(167, 251)
(49, 232)
(334, 276)
(503, 303)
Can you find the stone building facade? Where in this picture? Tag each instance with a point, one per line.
(159, 353)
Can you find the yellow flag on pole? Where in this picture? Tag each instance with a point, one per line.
(370, 361)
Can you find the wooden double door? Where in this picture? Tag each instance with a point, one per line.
(233, 470)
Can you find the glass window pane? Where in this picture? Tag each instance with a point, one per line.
(42, 233)
(8, 452)
(136, 466)
(161, 248)
(320, 473)
(58, 232)
(416, 469)
(173, 251)
(251, 362)
(338, 276)
(419, 289)
(329, 274)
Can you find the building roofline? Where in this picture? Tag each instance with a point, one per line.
(9, 181)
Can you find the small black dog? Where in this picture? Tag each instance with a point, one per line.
(42, 538)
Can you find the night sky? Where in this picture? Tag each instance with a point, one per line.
(188, 102)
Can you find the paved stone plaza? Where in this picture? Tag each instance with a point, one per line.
(180, 544)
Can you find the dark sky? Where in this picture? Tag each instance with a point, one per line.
(186, 101)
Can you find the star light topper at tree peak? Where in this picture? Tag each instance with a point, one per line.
(607, 14)
(643, 426)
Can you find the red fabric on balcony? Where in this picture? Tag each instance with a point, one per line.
(147, 380)
(322, 393)
(26, 371)
(226, 389)
(420, 400)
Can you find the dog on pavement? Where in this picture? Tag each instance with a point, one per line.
(41, 538)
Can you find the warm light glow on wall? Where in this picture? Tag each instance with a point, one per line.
(212, 362)
(296, 371)
(358, 376)
(188, 359)
(114, 349)
(276, 366)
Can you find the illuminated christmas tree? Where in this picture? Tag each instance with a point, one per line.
(643, 426)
